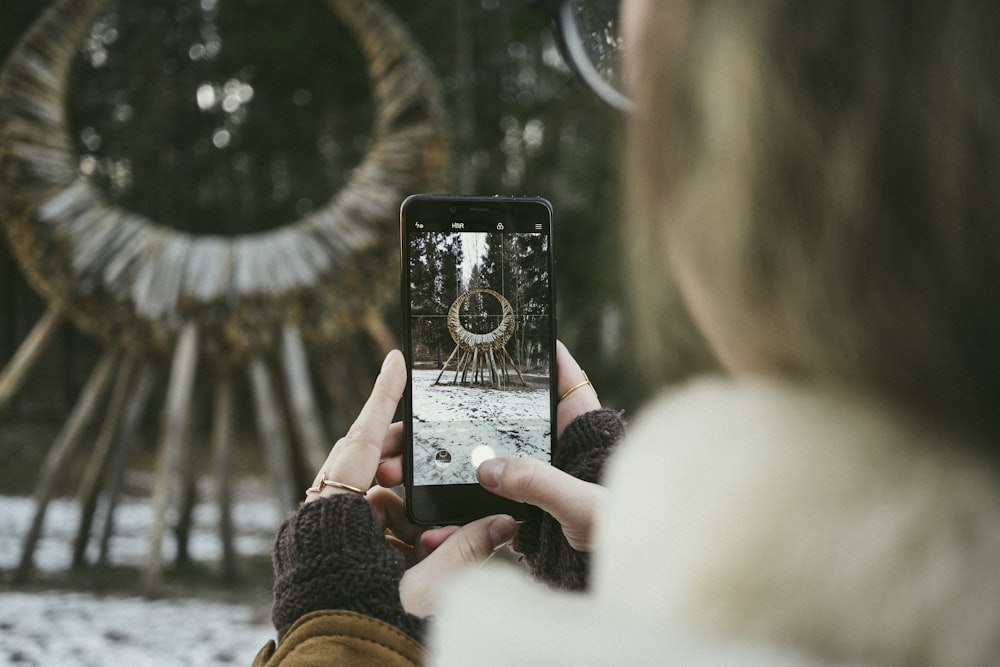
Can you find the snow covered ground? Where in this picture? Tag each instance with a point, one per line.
(456, 427)
(72, 627)
(60, 628)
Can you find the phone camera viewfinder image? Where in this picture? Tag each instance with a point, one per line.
(480, 339)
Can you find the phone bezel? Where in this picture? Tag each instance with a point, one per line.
(461, 503)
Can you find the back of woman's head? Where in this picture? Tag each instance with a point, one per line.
(826, 177)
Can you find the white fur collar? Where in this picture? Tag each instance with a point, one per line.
(754, 515)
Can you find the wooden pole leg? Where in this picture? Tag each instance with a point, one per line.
(38, 340)
(174, 429)
(222, 447)
(273, 434)
(135, 410)
(302, 400)
(90, 486)
(62, 449)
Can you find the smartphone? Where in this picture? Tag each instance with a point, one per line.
(478, 297)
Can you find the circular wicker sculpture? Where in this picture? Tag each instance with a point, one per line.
(292, 298)
(136, 283)
(481, 352)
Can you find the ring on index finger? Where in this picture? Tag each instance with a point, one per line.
(324, 483)
(578, 385)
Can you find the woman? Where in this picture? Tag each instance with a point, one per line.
(819, 182)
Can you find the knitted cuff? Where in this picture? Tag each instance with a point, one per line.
(331, 554)
(582, 451)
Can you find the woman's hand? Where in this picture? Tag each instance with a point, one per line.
(570, 501)
(433, 554)
(352, 465)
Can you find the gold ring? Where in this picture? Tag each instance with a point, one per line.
(586, 381)
(324, 482)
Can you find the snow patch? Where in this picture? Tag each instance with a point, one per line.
(454, 424)
(78, 628)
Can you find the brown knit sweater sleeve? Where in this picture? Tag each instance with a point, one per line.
(582, 451)
(331, 554)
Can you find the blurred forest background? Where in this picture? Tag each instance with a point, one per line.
(232, 116)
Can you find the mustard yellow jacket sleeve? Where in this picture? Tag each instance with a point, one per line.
(344, 639)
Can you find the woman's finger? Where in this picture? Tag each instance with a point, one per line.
(390, 468)
(392, 515)
(390, 472)
(581, 396)
(355, 457)
(432, 538)
(571, 501)
(410, 557)
(393, 445)
(469, 545)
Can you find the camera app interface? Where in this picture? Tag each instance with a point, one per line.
(480, 335)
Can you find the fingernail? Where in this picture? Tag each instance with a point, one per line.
(491, 472)
(502, 530)
(385, 362)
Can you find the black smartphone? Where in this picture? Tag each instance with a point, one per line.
(478, 296)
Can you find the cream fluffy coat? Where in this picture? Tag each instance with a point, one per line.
(755, 523)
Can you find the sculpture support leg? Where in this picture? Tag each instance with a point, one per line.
(135, 410)
(302, 401)
(450, 357)
(64, 446)
(222, 445)
(273, 434)
(189, 497)
(90, 486)
(175, 422)
(380, 334)
(38, 340)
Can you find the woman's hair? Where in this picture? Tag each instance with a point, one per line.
(828, 175)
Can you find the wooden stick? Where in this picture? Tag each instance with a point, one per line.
(504, 369)
(175, 420)
(64, 447)
(306, 420)
(90, 486)
(516, 369)
(135, 410)
(273, 435)
(443, 368)
(463, 363)
(222, 446)
(380, 334)
(189, 497)
(34, 345)
(344, 400)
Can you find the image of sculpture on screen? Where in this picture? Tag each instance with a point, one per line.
(480, 323)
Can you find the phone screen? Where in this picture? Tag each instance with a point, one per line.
(480, 333)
